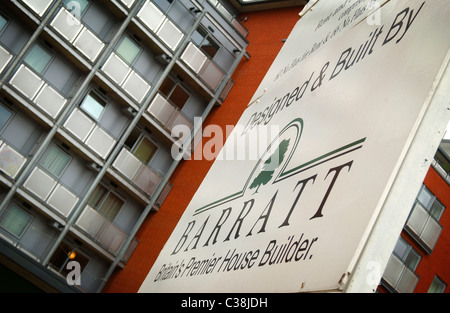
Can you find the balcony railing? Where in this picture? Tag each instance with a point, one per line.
(5, 57)
(101, 230)
(236, 23)
(126, 77)
(141, 175)
(71, 29)
(11, 161)
(424, 226)
(441, 170)
(91, 134)
(399, 277)
(167, 114)
(203, 66)
(38, 91)
(51, 192)
(156, 21)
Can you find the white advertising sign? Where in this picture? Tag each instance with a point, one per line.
(290, 211)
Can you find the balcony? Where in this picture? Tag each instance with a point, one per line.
(441, 170)
(88, 132)
(101, 230)
(11, 161)
(126, 77)
(399, 277)
(423, 226)
(72, 30)
(51, 192)
(141, 175)
(38, 91)
(203, 66)
(157, 22)
(167, 114)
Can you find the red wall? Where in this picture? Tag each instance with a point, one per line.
(267, 29)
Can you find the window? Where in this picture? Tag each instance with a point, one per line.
(430, 202)
(93, 105)
(77, 6)
(38, 59)
(4, 116)
(205, 42)
(145, 150)
(407, 254)
(174, 92)
(105, 202)
(437, 286)
(128, 50)
(63, 255)
(55, 160)
(3, 22)
(16, 221)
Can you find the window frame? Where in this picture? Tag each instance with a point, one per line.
(176, 84)
(137, 144)
(20, 208)
(409, 249)
(206, 36)
(45, 68)
(432, 201)
(133, 41)
(95, 94)
(8, 120)
(70, 9)
(103, 198)
(60, 149)
(437, 280)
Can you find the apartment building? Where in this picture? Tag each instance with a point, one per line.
(419, 262)
(92, 96)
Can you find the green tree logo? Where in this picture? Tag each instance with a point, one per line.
(270, 165)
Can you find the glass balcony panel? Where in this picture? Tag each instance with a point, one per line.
(90, 221)
(417, 219)
(40, 183)
(424, 226)
(127, 3)
(211, 74)
(170, 34)
(393, 270)
(49, 100)
(161, 109)
(147, 180)
(5, 57)
(112, 237)
(79, 124)
(100, 142)
(127, 164)
(89, 44)
(407, 282)
(136, 86)
(116, 69)
(67, 25)
(11, 162)
(431, 232)
(62, 200)
(193, 57)
(38, 6)
(151, 16)
(179, 119)
(27, 82)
